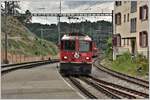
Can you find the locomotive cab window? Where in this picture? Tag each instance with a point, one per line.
(84, 46)
(68, 45)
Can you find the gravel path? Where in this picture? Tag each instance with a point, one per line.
(94, 91)
(107, 77)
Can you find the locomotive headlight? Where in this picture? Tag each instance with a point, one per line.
(65, 57)
(87, 58)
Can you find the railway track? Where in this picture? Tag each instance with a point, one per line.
(13, 67)
(131, 91)
(102, 89)
(81, 88)
(113, 91)
(10, 65)
(122, 76)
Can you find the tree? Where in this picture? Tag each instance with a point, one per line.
(28, 16)
(108, 51)
(25, 18)
(10, 7)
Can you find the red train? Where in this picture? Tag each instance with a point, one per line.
(76, 54)
(94, 49)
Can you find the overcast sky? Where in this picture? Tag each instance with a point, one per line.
(68, 6)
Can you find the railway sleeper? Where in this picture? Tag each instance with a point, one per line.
(121, 87)
(102, 89)
(123, 78)
(78, 85)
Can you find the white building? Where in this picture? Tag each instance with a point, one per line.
(131, 27)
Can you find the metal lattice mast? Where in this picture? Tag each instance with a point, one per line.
(59, 15)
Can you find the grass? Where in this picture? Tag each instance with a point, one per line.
(35, 48)
(26, 42)
(137, 67)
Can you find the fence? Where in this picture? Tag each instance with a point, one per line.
(18, 58)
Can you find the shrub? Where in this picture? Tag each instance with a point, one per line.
(124, 57)
(108, 52)
(142, 62)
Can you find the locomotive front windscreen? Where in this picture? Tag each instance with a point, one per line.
(69, 45)
(84, 46)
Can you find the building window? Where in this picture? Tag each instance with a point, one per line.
(127, 41)
(117, 40)
(118, 18)
(133, 6)
(124, 42)
(124, 18)
(143, 39)
(144, 12)
(125, 1)
(133, 25)
(118, 3)
(128, 17)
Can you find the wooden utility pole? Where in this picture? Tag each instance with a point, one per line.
(5, 24)
(9, 11)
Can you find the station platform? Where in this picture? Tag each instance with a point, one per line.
(43, 82)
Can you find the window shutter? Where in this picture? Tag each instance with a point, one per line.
(114, 41)
(119, 18)
(146, 38)
(140, 38)
(115, 18)
(146, 11)
(140, 12)
(116, 3)
(120, 40)
(124, 42)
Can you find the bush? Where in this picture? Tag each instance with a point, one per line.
(124, 57)
(142, 63)
(137, 65)
(108, 52)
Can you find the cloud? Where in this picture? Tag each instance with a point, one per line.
(74, 4)
(40, 6)
(68, 6)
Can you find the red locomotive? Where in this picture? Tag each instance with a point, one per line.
(94, 49)
(76, 54)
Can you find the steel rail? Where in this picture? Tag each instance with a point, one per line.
(10, 65)
(102, 89)
(138, 79)
(82, 89)
(120, 87)
(116, 92)
(30, 65)
(122, 76)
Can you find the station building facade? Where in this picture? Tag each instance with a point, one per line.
(130, 32)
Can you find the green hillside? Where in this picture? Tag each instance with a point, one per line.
(22, 41)
(88, 27)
